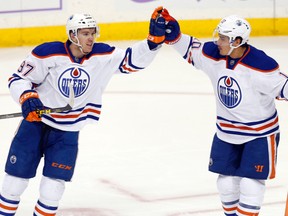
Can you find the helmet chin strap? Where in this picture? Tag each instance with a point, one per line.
(79, 46)
(232, 48)
(230, 51)
(81, 49)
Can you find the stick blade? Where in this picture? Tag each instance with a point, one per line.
(71, 95)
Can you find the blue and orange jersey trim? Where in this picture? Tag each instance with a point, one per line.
(90, 111)
(255, 129)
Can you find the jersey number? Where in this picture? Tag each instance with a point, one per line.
(26, 68)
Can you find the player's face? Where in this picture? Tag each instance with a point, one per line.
(223, 44)
(86, 38)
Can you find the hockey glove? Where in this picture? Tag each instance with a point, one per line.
(156, 29)
(173, 33)
(30, 104)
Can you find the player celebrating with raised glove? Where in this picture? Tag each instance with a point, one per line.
(246, 82)
(172, 32)
(156, 29)
(47, 73)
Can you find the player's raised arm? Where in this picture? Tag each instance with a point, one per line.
(173, 33)
(156, 35)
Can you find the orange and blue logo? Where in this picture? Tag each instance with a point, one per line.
(229, 92)
(79, 78)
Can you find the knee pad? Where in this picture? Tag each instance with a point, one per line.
(51, 191)
(252, 191)
(13, 187)
(228, 187)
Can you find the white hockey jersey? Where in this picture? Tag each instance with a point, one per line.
(50, 67)
(245, 89)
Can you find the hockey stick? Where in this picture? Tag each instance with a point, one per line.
(286, 206)
(47, 111)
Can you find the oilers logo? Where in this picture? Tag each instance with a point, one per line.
(229, 92)
(78, 77)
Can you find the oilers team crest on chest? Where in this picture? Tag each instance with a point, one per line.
(229, 92)
(78, 77)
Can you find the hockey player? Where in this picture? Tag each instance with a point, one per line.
(42, 80)
(246, 82)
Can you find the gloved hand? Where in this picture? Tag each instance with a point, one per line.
(156, 29)
(30, 103)
(173, 33)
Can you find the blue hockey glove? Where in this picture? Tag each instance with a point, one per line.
(173, 33)
(156, 29)
(30, 104)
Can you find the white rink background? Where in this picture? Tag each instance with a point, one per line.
(149, 154)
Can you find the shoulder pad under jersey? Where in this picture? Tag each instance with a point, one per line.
(258, 60)
(210, 50)
(102, 48)
(50, 48)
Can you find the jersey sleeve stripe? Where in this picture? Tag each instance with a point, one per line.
(12, 79)
(126, 66)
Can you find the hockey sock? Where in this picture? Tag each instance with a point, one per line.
(251, 198)
(228, 187)
(42, 210)
(230, 207)
(12, 188)
(246, 210)
(8, 207)
(51, 191)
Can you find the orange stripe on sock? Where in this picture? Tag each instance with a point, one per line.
(44, 213)
(247, 213)
(8, 207)
(229, 209)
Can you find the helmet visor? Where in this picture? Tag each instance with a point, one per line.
(220, 39)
